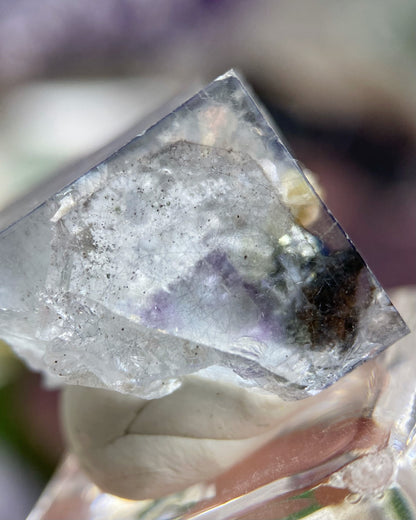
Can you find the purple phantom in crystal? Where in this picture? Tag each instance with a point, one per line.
(188, 251)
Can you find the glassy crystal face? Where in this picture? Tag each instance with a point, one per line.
(199, 247)
(348, 452)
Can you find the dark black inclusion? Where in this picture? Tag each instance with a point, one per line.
(332, 310)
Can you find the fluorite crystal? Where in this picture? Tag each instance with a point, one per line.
(199, 247)
(348, 452)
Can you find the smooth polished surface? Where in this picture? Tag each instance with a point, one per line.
(199, 247)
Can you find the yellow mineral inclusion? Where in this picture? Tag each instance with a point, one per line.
(298, 196)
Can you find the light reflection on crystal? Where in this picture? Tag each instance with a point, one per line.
(386, 383)
(198, 256)
(199, 236)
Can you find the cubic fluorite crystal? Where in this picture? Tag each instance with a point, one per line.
(199, 247)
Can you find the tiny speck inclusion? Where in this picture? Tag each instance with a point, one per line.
(199, 247)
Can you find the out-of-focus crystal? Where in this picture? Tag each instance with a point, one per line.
(347, 453)
(199, 247)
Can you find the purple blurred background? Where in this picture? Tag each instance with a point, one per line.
(339, 78)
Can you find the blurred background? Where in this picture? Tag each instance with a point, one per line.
(338, 77)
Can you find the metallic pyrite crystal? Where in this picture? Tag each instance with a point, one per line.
(197, 248)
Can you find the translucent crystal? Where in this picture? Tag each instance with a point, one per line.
(199, 247)
(348, 452)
